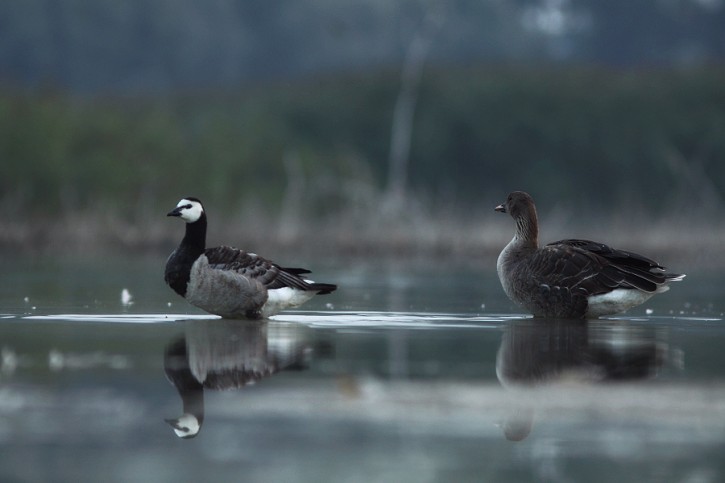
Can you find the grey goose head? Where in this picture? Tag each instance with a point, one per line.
(188, 209)
(520, 205)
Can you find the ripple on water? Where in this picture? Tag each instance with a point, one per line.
(359, 319)
(394, 319)
(119, 318)
(325, 319)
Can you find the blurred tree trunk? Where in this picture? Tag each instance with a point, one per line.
(403, 115)
(291, 213)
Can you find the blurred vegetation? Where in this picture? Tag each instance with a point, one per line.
(654, 139)
(160, 45)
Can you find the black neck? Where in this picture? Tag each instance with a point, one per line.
(195, 237)
(178, 267)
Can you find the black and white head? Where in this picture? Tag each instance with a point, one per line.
(188, 209)
(187, 426)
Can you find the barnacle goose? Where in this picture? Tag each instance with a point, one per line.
(230, 282)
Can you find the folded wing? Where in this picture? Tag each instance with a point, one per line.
(268, 273)
(597, 268)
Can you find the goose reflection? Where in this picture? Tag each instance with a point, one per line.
(547, 352)
(227, 354)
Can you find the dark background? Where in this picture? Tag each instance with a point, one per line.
(360, 119)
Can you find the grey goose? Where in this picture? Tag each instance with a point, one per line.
(572, 278)
(230, 282)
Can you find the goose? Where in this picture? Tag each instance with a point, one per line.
(572, 278)
(230, 282)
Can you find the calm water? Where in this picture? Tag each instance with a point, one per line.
(406, 373)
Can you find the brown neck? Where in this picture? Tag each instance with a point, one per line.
(527, 229)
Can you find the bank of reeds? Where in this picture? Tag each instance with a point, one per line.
(475, 235)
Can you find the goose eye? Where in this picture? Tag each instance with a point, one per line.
(186, 207)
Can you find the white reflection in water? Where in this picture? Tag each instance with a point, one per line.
(120, 318)
(58, 361)
(410, 320)
(352, 319)
(312, 319)
(8, 361)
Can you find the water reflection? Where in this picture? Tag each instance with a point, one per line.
(227, 354)
(546, 353)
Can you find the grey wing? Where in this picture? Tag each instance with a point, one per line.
(254, 267)
(572, 269)
(597, 268)
(615, 256)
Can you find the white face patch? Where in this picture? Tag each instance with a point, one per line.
(191, 210)
(186, 426)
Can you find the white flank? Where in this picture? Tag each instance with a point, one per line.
(283, 298)
(617, 301)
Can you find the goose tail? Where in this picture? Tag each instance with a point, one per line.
(321, 288)
(674, 277)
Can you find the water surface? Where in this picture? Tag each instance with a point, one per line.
(407, 373)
